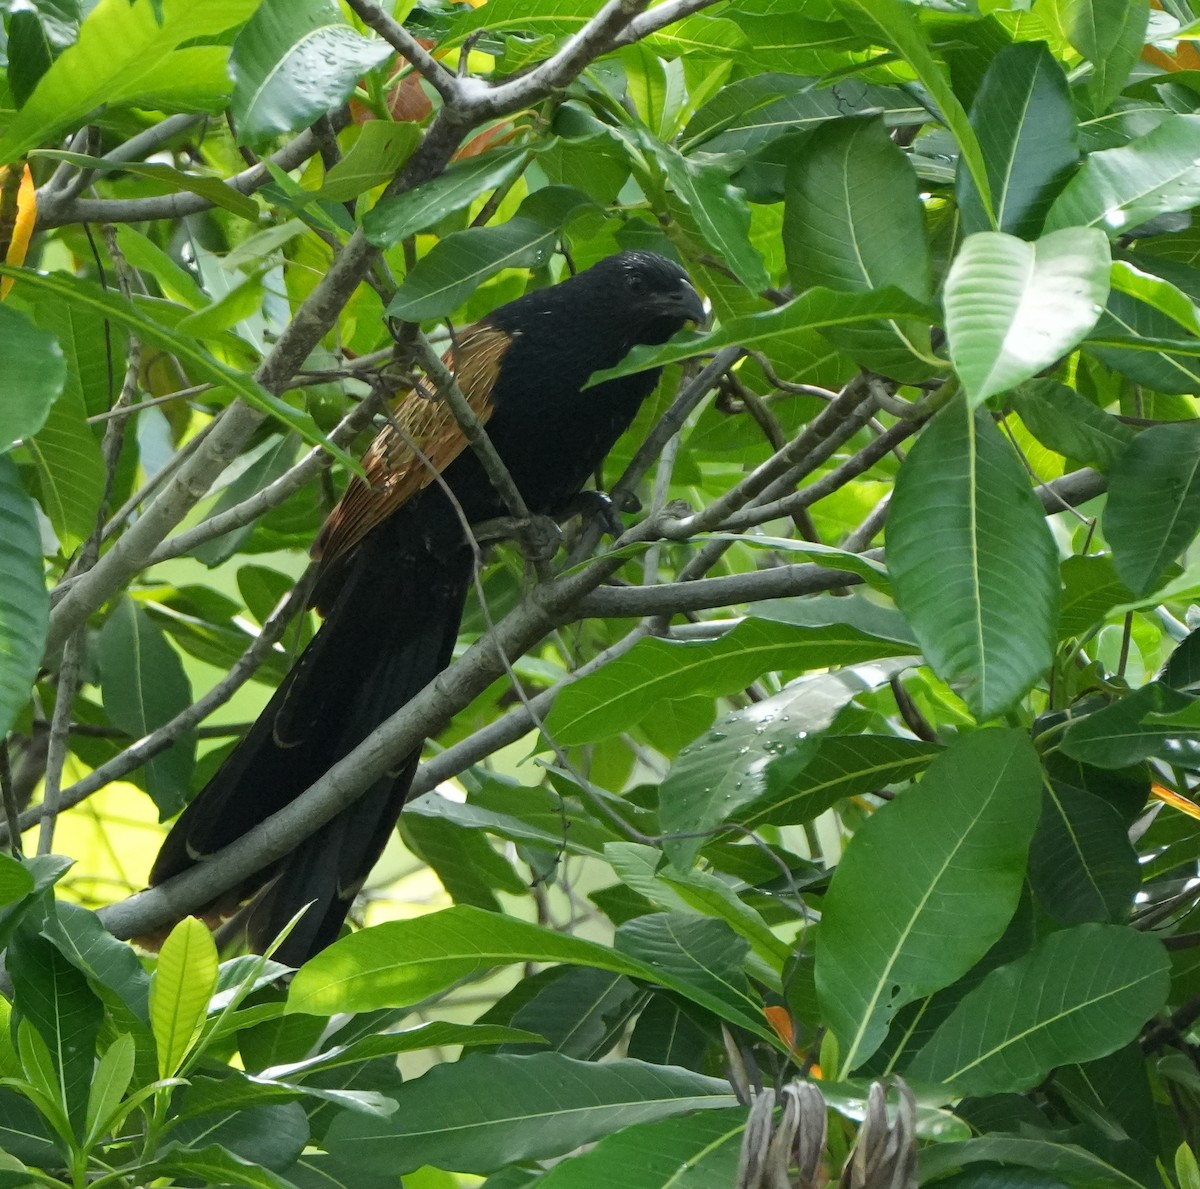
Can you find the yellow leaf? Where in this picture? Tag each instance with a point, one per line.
(17, 218)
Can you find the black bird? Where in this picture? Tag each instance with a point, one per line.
(395, 566)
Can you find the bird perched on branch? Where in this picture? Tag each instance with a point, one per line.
(395, 564)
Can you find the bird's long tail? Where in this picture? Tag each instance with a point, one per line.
(389, 631)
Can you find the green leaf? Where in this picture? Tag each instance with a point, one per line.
(749, 113)
(32, 373)
(853, 221)
(455, 267)
(818, 309)
(701, 892)
(211, 1165)
(623, 692)
(700, 1151)
(1022, 115)
(395, 218)
(125, 55)
(24, 603)
(213, 188)
(1137, 726)
(843, 766)
(1014, 308)
(484, 1112)
(70, 471)
(110, 964)
(402, 962)
(1080, 994)
(1153, 508)
(1082, 865)
(894, 23)
(102, 302)
(962, 510)
(770, 741)
(113, 1074)
(892, 933)
(374, 158)
(1119, 188)
(1069, 424)
(31, 46)
(55, 998)
(1091, 591)
(721, 212)
(1110, 34)
(180, 988)
(274, 458)
(294, 61)
(145, 686)
(15, 880)
(1081, 1167)
(438, 1034)
(1139, 341)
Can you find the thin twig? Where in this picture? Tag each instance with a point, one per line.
(408, 47)
(60, 725)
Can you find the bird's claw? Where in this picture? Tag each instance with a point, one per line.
(599, 507)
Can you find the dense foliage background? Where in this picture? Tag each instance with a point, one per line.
(737, 800)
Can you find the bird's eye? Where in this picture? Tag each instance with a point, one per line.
(635, 283)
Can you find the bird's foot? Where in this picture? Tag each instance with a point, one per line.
(600, 508)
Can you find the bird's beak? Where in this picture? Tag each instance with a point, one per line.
(683, 303)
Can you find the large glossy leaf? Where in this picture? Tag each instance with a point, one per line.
(401, 962)
(1080, 994)
(1151, 721)
(56, 999)
(32, 373)
(722, 214)
(211, 1165)
(1110, 34)
(623, 692)
(1119, 188)
(818, 309)
(1076, 1165)
(1082, 865)
(374, 158)
(294, 61)
(1026, 128)
(843, 766)
(70, 470)
(767, 742)
(700, 1152)
(484, 1112)
(394, 218)
(126, 54)
(1069, 424)
(1014, 308)
(891, 23)
(145, 686)
(962, 512)
(1153, 509)
(853, 221)
(451, 271)
(24, 603)
(749, 113)
(926, 886)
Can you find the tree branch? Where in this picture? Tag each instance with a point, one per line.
(271, 496)
(409, 48)
(57, 209)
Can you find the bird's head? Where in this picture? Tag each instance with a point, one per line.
(652, 297)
